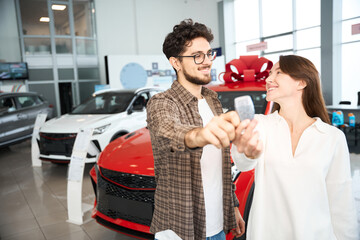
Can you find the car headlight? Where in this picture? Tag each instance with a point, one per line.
(234, 172)
(102, 129)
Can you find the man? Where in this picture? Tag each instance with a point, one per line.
(190, 137)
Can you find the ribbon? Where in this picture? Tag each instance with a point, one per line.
(247, 68)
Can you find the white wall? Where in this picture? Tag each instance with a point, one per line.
(9, 37)
(140, 26)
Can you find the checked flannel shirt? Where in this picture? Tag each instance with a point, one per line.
(179, 196)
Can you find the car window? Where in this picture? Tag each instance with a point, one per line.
(28, 101)
(7, 104)
(140, 101)
(227, 99)
(105, 103)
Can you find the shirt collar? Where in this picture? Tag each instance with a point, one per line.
(319, 124)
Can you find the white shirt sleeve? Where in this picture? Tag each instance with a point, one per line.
(242, 162)
(339, 188)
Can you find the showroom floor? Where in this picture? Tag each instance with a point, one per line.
(34, 200)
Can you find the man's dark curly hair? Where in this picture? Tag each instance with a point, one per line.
(182, 34)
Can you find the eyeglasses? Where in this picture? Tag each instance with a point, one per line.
(199, 58)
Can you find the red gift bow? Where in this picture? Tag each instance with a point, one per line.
(248, 69)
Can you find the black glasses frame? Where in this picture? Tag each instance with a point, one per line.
(211, 55)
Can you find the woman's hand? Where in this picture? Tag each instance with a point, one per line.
(247, 140)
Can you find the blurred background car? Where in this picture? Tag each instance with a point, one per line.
(124, 181)
(110, 113)
(18, 112)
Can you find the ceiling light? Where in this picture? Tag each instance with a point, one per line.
(58, 7)
(44, 19)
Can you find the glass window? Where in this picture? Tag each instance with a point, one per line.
(279, 43)
(63, 45)
(314, 55)
(7, 104)
(66, 74)
(275, 56)
(86, 89)
(347, 30)
(246, 20)
(307, 13)
(241, 48)
(83, 18)
(61, 19)
(85, 47)
(37, 46)
(308, 38)
(88, 73)
(350, 9)
(350, 80)
(41, 74)
(28, 101)
(47, 90)
(31, 13)
(277, 17)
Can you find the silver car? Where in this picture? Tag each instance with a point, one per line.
(18, 112)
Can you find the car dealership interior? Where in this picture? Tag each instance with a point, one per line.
(54, 173)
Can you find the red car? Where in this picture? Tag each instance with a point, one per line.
(123, 178)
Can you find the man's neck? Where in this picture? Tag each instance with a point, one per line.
(194, 89)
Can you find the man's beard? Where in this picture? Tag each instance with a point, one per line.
(197, 80)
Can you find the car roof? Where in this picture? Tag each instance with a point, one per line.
(18, 94)
(135, 91)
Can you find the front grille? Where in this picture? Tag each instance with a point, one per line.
(56, 144)
(116, 202)
(129, 180)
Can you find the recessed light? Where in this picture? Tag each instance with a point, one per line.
(58, 7)
(44, 19)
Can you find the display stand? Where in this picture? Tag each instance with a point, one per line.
(35, 152)
(75, 206)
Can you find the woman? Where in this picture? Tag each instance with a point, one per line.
(302, 168)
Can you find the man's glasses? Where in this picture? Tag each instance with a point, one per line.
(199, 58)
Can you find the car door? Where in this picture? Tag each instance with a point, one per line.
(12, 121)
(28, 109)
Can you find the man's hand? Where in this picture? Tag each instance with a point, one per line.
(247, 141)
(240, 224)
(219, 131)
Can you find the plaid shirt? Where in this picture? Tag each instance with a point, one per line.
(179, 196)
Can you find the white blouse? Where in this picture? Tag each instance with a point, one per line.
(307, 195)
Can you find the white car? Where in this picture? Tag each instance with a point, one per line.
(110, 113)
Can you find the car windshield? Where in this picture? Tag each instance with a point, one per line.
(106, 103)
(258, 97)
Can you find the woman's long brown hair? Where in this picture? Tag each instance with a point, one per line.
(300, 68)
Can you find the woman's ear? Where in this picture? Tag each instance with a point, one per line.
(174, 63)
(302, 84)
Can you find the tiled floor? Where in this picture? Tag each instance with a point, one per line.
(34, 200)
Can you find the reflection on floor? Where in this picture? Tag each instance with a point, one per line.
(34, 200)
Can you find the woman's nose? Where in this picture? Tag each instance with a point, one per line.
(268, 79)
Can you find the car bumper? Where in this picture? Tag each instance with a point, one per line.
(127, 210)
(56, 147)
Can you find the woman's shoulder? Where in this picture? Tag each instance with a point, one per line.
(329, 129)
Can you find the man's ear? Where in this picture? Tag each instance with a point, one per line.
(174, 63)
(302, 84)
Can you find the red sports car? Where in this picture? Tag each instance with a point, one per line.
(124, 182)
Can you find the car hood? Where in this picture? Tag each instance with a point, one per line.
(70, 123)
(131, 153)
